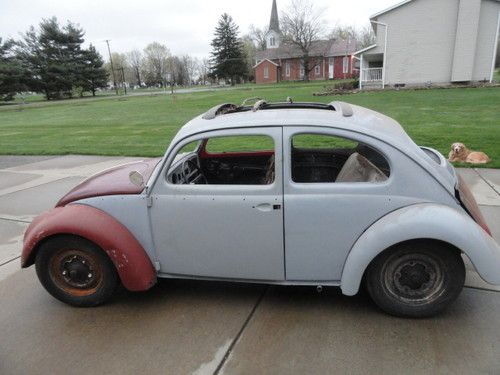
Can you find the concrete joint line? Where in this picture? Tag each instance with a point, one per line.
(238, 335)
(486, 181)
(15, 220)
(33, 184)
(483, 289)
(10, 261)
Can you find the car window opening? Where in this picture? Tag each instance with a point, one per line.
(327, 159)
(232, 160)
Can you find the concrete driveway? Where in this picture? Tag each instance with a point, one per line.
(182, 327)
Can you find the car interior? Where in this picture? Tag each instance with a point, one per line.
(355, 162)
(360, 163)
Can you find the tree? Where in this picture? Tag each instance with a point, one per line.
(74, 59)
(204, 70)
(93, 75)
(181, 70)
(135, 61)
(53, 56)
(123, 72)
(228, 61)
(343, 32)
(178, 71)
(12, 74)
(250, 52)
(258, 36)
(156, 64)
(302, 27)
(190, 68)
(364, 37)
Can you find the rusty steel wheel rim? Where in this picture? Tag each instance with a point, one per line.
(76, 272)
(414, 278)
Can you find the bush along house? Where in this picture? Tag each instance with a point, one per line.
(328, 59)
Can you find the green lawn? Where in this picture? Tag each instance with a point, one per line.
(496, 76)
(145, 125)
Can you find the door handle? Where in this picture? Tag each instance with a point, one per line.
(266, 207)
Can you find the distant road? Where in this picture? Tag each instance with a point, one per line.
(104, 97)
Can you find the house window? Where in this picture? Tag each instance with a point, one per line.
(345, 65)
(319, 158)
(272, 41)
(302, 71)
(287, 69)
(266, 72)
(317, 70)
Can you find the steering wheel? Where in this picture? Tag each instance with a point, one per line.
(190, 169)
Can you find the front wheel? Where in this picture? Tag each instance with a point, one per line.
(75, 271)
(417, 279)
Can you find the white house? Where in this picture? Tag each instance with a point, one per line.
(425, 42)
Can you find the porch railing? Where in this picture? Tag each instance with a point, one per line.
(371, 74)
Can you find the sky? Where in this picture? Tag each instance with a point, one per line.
(185, 26)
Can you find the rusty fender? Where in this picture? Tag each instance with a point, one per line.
(131, 261)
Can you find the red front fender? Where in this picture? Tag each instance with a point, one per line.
(131, 261)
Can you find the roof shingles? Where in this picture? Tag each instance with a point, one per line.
(320, 48)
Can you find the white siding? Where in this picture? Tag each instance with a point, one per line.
(421, 41)
(486, 40)
(438, 41)
(465, 40)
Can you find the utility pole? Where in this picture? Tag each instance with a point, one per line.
(123, 80)
(112, 68)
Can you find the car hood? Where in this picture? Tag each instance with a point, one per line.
(114, 181)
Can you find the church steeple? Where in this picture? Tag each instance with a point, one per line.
(274, 24)
(273, 36)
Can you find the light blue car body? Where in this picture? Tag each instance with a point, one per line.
(325, 233)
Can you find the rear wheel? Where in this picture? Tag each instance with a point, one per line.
(416, 279)
(75, 271)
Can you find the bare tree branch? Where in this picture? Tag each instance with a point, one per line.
(135, 61)
(302, 26)
(258, 37)
(363, 37)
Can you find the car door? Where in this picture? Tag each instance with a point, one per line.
(221, 230)
(323, 216)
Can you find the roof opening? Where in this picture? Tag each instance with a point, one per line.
(260, 105)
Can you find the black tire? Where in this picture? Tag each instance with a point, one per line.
(416, 279)
(75, 271)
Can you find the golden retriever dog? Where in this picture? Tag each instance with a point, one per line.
(462, 154)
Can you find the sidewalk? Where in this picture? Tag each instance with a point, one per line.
(197, 327)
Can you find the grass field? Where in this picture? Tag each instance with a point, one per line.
(144, 125)
(496, 76)
(35, 98)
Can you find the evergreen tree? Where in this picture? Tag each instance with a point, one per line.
(93, 74)
(228, 60)
(12, 74)
(74, 57)
(54, 58)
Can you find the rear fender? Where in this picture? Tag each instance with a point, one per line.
(131, 261)
(423, 221)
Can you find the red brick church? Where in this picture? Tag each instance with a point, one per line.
(329, 59)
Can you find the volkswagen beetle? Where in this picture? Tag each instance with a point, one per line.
(274, 193)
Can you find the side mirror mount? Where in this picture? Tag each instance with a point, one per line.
(136, 178)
